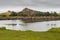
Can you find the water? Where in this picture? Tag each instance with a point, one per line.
(37, 26)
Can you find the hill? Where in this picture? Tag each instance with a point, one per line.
(29, 12)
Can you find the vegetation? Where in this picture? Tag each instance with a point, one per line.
(2, 28)
(22, 14)
(52, 34)
(54, 30)
(13, 13)
(36, 13)
(28, 15)
(28, 12)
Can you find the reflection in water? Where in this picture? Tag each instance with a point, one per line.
(12, 24)
(52, 25)
(38, 26)
(47, 24)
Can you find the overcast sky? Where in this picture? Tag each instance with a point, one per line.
(41, 5)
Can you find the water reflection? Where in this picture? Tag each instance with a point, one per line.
(37, 26)
(12, 24)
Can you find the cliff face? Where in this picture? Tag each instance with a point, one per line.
(29, 11)
(26, 10)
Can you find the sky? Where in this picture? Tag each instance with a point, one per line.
(40, 5)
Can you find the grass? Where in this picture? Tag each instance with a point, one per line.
(52, 34)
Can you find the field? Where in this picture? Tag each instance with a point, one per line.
(52, 34)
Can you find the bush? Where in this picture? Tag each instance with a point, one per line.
(54, 30)
(2, 28)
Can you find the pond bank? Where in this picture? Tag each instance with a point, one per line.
(32, 19)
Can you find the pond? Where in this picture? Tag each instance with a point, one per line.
(36, 26)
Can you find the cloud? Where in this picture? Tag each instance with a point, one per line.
(43, 4)
(36, 3)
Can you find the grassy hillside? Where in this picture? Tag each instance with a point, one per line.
(29, 35)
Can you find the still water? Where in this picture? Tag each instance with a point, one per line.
(36, 26)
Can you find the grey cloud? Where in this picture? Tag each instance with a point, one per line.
(33, 3)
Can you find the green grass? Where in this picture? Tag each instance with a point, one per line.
(52, 34)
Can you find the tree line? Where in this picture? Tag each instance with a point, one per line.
(34, 14)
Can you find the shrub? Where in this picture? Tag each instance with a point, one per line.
(54, 30)
(2, 28)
